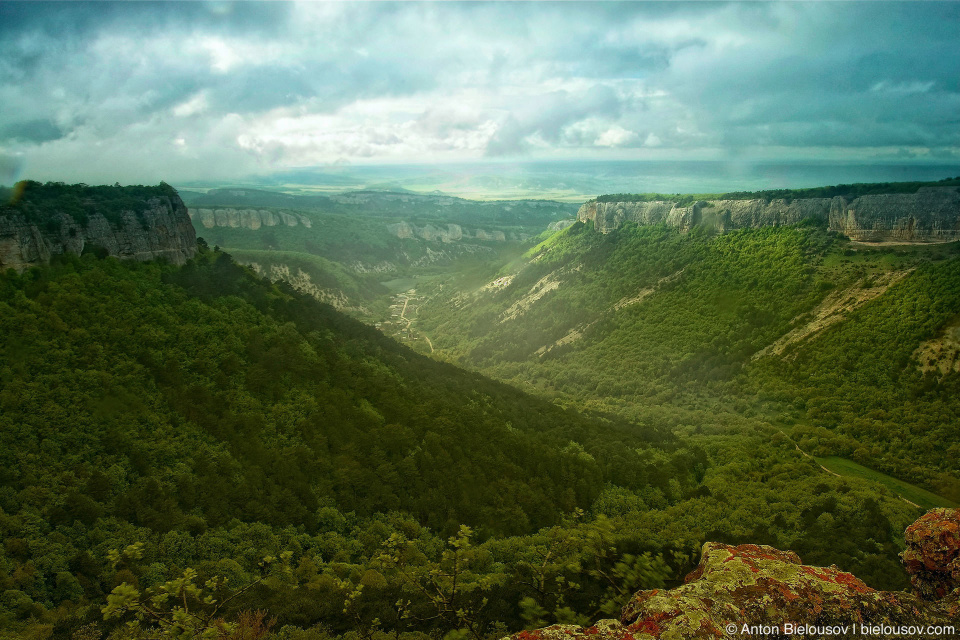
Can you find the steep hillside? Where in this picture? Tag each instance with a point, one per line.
(149, 403)
(38, 221)
(793, 324)
(223, 359)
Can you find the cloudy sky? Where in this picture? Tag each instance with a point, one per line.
(139, 91)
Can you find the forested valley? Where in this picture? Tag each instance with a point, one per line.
(199, 451)
(847, 348)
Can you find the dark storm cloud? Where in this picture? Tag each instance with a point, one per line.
(82, 19)
(853, 74)
(238, 86)
(31, 131)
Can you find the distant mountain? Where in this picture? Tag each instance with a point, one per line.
(387, 203)
(340, 246)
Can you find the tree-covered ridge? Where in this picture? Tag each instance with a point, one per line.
(679, 301)
(863, 391)
(181, 400)
(39, 202)
(646, 318)
(215, 361)
(847, 191)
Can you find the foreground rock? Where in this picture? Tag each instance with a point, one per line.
(932, 557)
(761, 592)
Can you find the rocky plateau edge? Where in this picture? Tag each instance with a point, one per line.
(160, 228)
(930, 215)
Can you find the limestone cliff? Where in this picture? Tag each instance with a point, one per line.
(143, 224)
(301, 281)
(258, 218)
(932, 214)
(758, 591)
(560, 225)
(246, 218)
(450, 233)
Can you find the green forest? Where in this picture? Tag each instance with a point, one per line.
(352, 245)
(479, 320)
(661, 318)
(192, 450)
(42, 203)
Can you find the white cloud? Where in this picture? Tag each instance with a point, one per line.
(227, 54)
(195, 105)
(616, 136)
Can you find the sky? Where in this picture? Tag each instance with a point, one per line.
(139, 91)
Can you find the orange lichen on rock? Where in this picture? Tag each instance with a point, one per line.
(763, 588)
(932, 557)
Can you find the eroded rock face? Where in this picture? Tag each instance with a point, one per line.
(763, 592)
(161, 229)
(560, 225)
(932, 557)
(930, 215)
(450, 233)
(247, 218)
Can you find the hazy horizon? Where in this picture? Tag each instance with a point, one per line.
(578, 181)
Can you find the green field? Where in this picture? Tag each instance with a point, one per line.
(399, 285)
(914, 494)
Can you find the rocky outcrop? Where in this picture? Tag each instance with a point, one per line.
(560, 225)
(301, 281)
(932, 557)
(247, 218)
(159, 228)
(450, 233)
(759, 591)
(930, 215)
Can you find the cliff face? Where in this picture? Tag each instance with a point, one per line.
(759, 591)
(450, 233)
(246, 218)
(257, 218)
(930, 215)
(159, 228)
